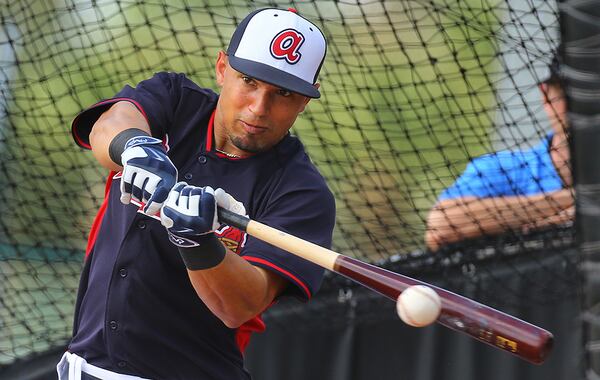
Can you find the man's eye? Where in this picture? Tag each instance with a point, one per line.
(285, 93)
(247, 79)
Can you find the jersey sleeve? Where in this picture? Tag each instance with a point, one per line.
(308, 212)
(486, 176)
(156, 98)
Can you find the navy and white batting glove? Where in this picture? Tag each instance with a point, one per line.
(148, 173)
(228, 202)
(190, 216)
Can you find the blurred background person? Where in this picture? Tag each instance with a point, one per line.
(511, 190)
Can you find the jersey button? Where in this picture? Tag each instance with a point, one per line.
(113, 325)
(123, 272)
(141, 224)
(122, 364)
(188, 176)
(202, 159)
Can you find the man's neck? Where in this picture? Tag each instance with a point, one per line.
(222, 143)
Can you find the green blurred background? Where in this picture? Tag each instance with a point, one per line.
(409, 95)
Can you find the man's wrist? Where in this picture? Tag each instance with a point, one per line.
(208, 253)
(117, 145)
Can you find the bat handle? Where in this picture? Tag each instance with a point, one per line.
(231, 218)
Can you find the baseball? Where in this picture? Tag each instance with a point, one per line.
(419, 305)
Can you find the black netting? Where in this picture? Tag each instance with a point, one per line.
(411, 92)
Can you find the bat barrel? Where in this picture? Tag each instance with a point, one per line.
(459, 313)
(494, 327)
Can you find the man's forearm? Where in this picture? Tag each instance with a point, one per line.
(235, 290)
(121, 116)
(463, 218)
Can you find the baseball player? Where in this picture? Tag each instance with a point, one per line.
(166, 291)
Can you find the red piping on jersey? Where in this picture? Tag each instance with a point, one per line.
(209, 131)
(78, 139)
(281, 270)
(99, 216)
(115, 100)
(209, 139)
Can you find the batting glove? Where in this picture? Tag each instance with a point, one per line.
(189, 213)
(148, 173)
(190, 216)
(228, 202)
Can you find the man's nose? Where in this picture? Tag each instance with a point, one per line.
(259, 103)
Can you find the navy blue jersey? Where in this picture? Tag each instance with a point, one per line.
(137, 312)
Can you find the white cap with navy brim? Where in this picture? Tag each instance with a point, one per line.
(279, 47)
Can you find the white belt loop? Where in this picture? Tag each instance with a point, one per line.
(62, 368)
(77, 365)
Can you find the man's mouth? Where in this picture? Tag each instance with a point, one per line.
(253, 129)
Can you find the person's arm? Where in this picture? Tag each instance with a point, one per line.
(452, 220)
(235, 290)
(119, 117)
(120, 140)
(232, 288)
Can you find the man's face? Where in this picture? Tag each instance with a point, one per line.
(555, 105)
(252, 116)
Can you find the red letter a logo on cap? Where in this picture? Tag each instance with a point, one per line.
(285, 45)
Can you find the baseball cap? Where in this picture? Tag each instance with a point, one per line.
(279, 47)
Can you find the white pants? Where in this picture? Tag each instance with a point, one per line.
(71, 367)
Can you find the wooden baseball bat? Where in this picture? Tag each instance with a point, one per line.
(459, 313)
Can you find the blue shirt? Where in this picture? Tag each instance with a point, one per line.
(137, 312)
(508, 173)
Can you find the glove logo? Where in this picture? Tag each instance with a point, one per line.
(182, 242)
(286, 45)
(141, 140)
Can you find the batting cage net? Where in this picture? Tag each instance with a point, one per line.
(412, 92)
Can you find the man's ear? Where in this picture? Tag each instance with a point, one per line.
(317, 86)
(220, 67)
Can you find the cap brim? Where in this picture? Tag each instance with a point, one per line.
(273, 76)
